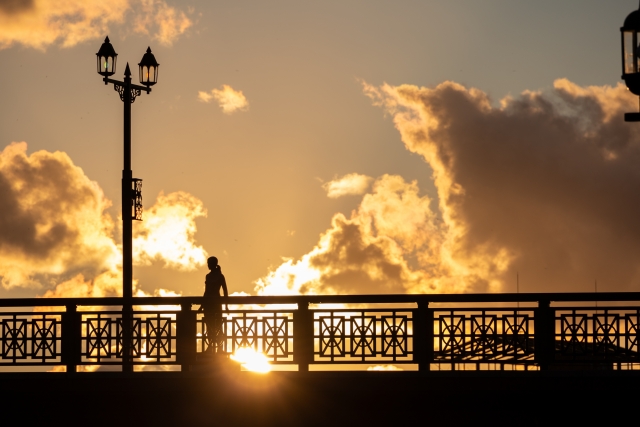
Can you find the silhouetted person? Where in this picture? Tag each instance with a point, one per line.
(213, 283)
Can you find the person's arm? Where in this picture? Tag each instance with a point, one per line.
(205, 293)
(224, 291)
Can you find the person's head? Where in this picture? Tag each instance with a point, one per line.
(212, 262)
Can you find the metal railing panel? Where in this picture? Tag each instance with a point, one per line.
(472, 331)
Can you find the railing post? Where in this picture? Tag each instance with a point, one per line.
(127, 337)
(186, 346)
(545, 340)
(71, 337)
(303, 336)
(423, 336)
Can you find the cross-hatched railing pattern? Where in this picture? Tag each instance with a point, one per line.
(471, 331)
(588, 335)
(102, 338)
(29, 338)
(363, 336)
(153, 337)
(269, 332)
(484, 335)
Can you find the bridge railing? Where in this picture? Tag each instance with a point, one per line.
(427, 332)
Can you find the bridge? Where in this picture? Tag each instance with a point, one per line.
(446, 351)
(421, 332)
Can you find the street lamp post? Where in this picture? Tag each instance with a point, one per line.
(631, 58)
(131, 187)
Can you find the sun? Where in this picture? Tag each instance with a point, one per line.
(251, 360)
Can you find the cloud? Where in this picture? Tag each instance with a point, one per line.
(205, 96)
(107, 284)
(230, 100)
(374, 251)
(53, 219)
(163, 22)
(348, 185)
(41, 23)
(56, 235)
(167, 232)
(11, 7)
(545, 184)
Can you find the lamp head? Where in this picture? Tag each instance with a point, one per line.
(148, 69)
(106, 59)
(631, 52)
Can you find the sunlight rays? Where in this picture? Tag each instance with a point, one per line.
(252, 360)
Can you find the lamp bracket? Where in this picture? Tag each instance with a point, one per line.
(115, 83)
(121, 91)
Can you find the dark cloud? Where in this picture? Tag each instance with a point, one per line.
(12, 7)
(354, 263)
(544, 186)
(53, 219)
(551, 179)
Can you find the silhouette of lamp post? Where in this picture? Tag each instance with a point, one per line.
(631, 58)
(131, 187)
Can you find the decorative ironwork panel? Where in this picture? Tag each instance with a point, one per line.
(484, 336)
(153, 337)
(268, 332)
(363, 336)
(597, 335)
(101, 337)
(121, 91)
(136, 199)
(30, 338)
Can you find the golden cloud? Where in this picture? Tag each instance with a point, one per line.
(163, 22)
(167, 233)
(54, 229)
(374, 251)
(107, 284)
(229, 99)
(350, 184)
(53, 220)
(40, 23)
(544, 185)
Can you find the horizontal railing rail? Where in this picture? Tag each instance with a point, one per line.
(334, 299)
(427, 331)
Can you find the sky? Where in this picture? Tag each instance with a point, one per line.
(321, 147)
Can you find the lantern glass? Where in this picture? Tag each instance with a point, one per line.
(148, 75)
(106, 65)
(106, 58)
(629, 53)
(148, 69)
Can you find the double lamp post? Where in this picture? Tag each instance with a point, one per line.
(131, 187)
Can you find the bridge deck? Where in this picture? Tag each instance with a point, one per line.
(319, 398)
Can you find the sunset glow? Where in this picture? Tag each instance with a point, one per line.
(251, 360)
(360, 155)
(299, 213)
